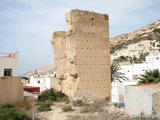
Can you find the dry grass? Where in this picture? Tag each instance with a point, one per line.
(27, 105)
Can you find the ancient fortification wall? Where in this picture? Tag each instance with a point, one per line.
(82, 55)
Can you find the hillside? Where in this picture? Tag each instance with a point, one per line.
(46, 69)
(134, 46)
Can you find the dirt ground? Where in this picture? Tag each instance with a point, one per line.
(57, 113)
(90, 112)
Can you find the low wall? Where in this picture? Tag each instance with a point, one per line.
(11, 90)
(142, 99)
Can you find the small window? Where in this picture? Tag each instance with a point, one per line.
(7, 72)
(157, 58)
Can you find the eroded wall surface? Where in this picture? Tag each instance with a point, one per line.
(11, 90)
(82, 55)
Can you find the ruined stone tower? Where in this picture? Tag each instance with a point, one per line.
(82, 55)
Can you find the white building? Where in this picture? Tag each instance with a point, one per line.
(9, 64)
(41, 77)
(133, 72)
(153, 58)
(42, 81)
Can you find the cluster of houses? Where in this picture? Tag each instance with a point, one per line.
(24, 87)
(41, 77)
(133, 72)
(122, 92)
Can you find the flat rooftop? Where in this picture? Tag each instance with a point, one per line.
(8, 55)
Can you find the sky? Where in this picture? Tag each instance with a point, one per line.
(26, 26)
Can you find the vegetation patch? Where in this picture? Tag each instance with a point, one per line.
(116, 75)
(107, 99)
(122, 45)
(133, 59)
(150, 77)
(158, 39)
(67, 108)
(53, 95)
(157, 30)
(44, 106)
(11, 112)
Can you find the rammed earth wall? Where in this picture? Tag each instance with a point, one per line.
(82, 55)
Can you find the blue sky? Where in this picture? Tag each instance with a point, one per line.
(26, 26)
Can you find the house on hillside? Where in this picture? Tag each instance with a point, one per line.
(9, 64)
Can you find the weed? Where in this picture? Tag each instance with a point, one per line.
(44, 106)
(10, 112)
(107, 99)
(67, 108)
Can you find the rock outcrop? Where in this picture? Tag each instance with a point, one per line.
(144, 40)
(82, 56)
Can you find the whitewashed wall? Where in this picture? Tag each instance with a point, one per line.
(44, 82)
(10, 63)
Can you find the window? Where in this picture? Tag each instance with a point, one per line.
(7, 72)
(157, 58)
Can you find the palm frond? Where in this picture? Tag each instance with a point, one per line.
(116, 75)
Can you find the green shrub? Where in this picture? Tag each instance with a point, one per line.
(52, 95)
(123, 58)
(143, 56)
(116, 74)
(133, 59)
(153, 44)
(10, 112)
(107, 99)
(67, 108)
(158, 38)
(149, 37)
(152, 76)
(156, 30)
(44, 106)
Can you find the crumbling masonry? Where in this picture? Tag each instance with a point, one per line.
(82, 56)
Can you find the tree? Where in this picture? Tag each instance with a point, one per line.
(150, 77)
(116, 75)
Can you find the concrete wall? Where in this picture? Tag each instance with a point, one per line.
(82, 55)
(141, 99)
(11, 90)
(11, 63)
(118, 90)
